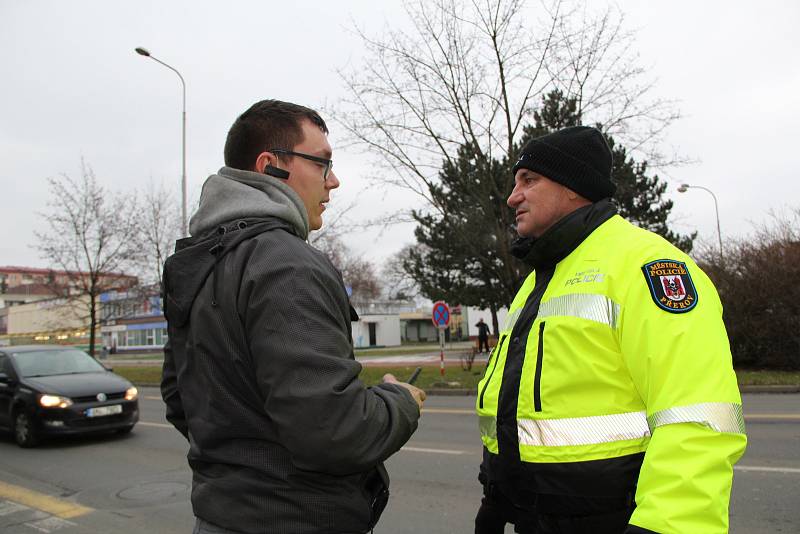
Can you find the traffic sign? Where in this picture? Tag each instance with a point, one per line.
(441, 314)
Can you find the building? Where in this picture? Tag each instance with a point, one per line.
(11, 276)
(53, 320)
(133, 321)
(46, 305)
(417, 326)
(15, 295)
(379, 323)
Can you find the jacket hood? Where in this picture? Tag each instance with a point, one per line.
(196, 258)
(234, 206)
(236, 194)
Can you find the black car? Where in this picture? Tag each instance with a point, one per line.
(54, 390)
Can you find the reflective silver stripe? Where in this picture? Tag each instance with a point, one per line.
(721, 416)
(598, 308)
(573, 431)
(488, 426)
(512, 319)
(582, 430)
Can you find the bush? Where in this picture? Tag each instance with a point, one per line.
(759, 284)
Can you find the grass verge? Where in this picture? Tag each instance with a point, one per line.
(768, 378)
(455, 377)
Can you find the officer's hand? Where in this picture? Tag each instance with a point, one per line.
(418, 394)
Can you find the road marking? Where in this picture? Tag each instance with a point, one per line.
(49, 524)
(8, 507)
(766, 469)
(456, 411)
(448, 410)
(428, 410)
(159, 425)
(40, 501)
(747, 417)
(435, 451)
(456, 452)
(408, 449)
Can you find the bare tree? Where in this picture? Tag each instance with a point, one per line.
(398, 283)
(757, 283)
(472, 73)
(160, 226)
(357, 273)
(91, 236)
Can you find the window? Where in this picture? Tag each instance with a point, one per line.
(161, 336)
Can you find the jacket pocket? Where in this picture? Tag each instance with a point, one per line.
(537, 380)
(496, 355)
(377, 490)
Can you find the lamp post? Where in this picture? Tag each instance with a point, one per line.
(184, 225)
(685, 187)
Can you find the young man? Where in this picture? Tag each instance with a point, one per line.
(610, 404)
(259, 373)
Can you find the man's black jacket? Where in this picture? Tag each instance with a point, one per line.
(259, 375)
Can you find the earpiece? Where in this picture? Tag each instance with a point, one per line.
(270, 170)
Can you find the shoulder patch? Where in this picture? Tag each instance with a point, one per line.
(670, 285)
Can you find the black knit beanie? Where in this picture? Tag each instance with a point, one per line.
(577, 157)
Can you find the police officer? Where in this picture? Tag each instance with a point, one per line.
(610, 404)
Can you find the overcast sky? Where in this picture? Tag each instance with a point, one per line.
(71, 86)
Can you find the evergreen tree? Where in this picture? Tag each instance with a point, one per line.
(639, 197)
(463, 254)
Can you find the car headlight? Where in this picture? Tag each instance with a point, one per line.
(54, 401)
(131, 394)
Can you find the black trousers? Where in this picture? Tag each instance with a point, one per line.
(483, 343)
(553, 515)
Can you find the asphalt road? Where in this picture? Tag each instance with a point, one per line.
(140, 482)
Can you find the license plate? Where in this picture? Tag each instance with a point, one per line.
(104, 410)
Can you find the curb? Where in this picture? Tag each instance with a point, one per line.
(770, 389)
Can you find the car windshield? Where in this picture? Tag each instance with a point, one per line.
(56, 362)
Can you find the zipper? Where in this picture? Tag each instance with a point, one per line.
(496, 352)
(537, 381)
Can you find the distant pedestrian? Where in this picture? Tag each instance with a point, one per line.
(483, 335)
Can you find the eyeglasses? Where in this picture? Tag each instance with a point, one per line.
(326, 163)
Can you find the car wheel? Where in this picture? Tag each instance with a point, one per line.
(126, 430)
(24, 432)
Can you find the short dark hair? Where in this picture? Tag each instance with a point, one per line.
(267, 124)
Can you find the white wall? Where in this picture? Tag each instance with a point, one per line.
(473, 314)
(387, 330)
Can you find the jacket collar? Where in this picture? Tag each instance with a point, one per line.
(563, 237)
(233, 194)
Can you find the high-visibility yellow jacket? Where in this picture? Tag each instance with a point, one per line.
(626, 354)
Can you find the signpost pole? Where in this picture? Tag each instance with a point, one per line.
(441, 319)
(441, 352)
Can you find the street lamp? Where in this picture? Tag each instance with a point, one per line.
(684, 187)
(144, 52)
